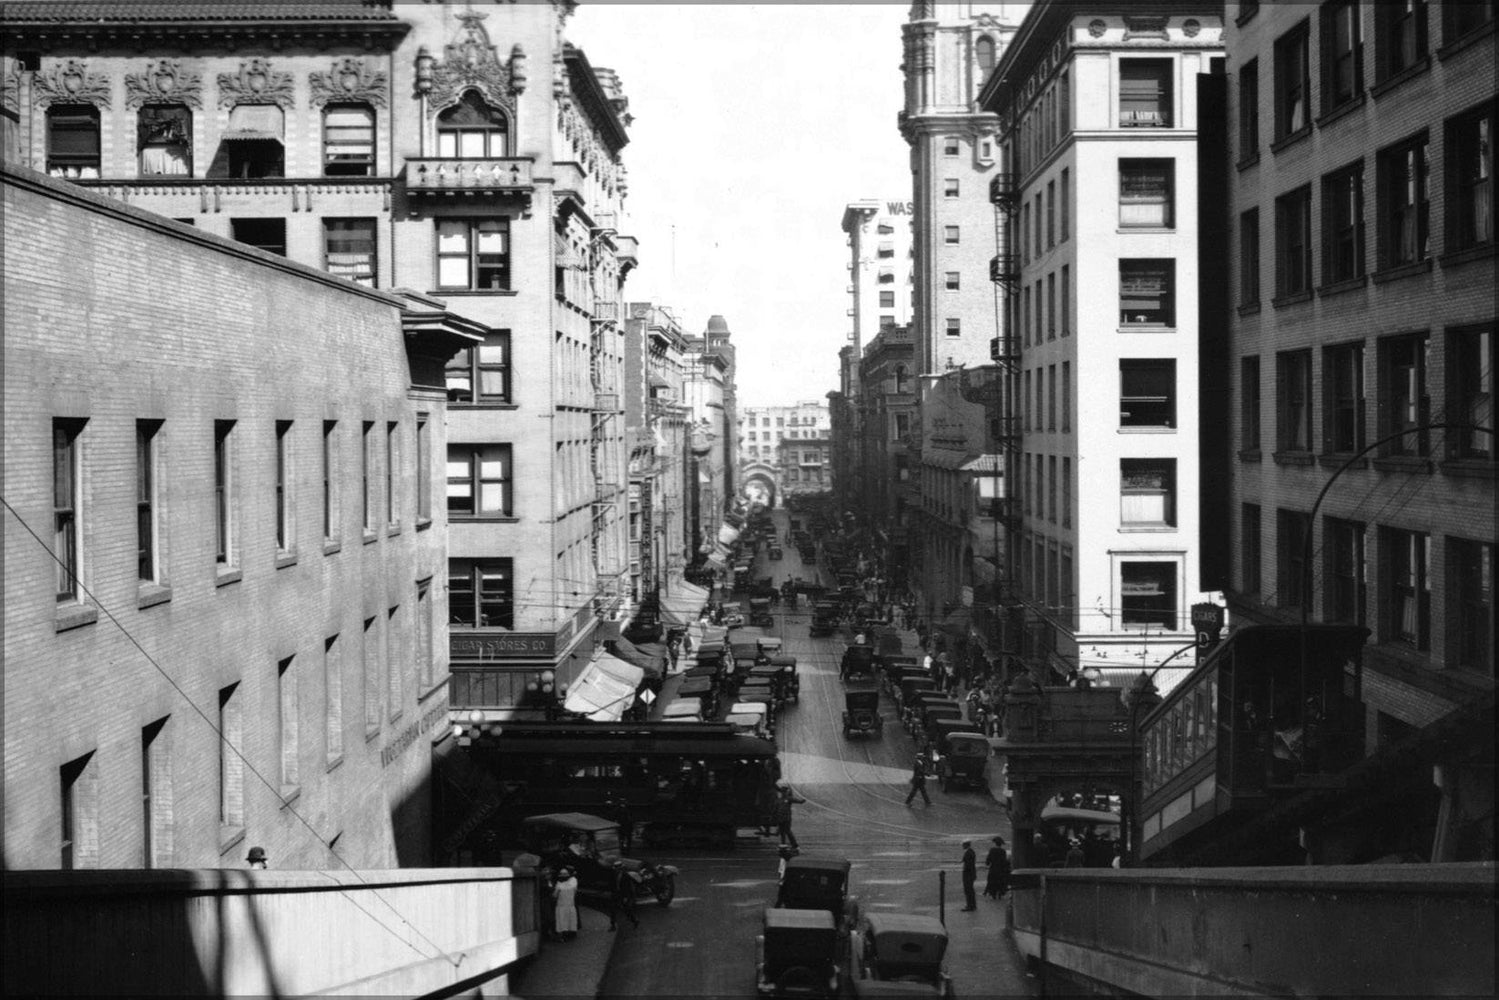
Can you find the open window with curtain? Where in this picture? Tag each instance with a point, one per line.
(252, 145)
(164, 137)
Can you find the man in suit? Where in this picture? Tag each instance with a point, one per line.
(970, 876)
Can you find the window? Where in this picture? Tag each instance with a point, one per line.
(395, 662)
(902, 426)
(1040, 311)
(950, 235)
(885, 229)
(1146, 193)
(423, 468)
(1407, 559)
(1470, 179)
(146, 559)
(223, 496)
(471, 129)
(1051, 214)
(950, 187)
(1249, 548)
(479, 480)
(370, 661)
(1066, 199)
(1249, 403)
(252, 144)
(1147, 595)
(1025, 233)
(1147, 492)
(1293, 395)
(1064, 299)
(481, 374)
(1249, 258)
(1147, 392)
(79, 833)
(1400, 34)
(1146, 292)
(481, 593)
(424, 662)
(1343, 546)
(1066, 492)
(286, 697)
(1342, 54)
(73, 141)
(392, 463)
(473, 254)
(886, 276)
(333, 700)
(1292, 83)
(1471, 565)
(1293, 251)
(1404, 209)
(954, 326)
(263, 234)
(1291, 527)
(164, 139)
(366, 469)
(348, 140)
(231, 764)
(1051, 397)
(1025, 323)
(1343, 398)
(1145, 93)
(1459, 19)
(1066, 397)
(1343, 225)
(887, 300)
(285, 532)
(1039, 247)
(1051, 306)
(1404, 400)
(156, 795)
(984, 50)
(886, 250)
(950, 147)
(349, 249)
(1051, 488)
(1249, 110)
(952, 281)
(330, 441)
(1470, 391)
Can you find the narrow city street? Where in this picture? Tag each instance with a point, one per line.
(703, 944)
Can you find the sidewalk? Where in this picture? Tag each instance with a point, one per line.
(573, 968)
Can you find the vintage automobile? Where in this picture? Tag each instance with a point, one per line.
(797, 955)
(791, 684)
(910, 684)
(964, 760)
(1095, 830)
(861, 713)
(927, 706)
(757, 696)
(760, 612)
(684, 708)
(759, 710)
(825, 617)
(857, 663)
(749, 723)
(775, 553)
(896, 669)
(814, 883)
(589, 845)
(899, 954)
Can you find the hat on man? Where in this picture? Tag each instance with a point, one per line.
(967, 843)
(256, 854)
(998, 840)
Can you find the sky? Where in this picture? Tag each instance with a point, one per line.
(754, 125)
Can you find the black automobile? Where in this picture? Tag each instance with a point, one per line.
(825, 617)
(861, 713)
(857, 663)
(589, 845)
(797, 955)
(812, 883)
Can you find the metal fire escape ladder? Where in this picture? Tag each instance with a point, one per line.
(604, 325)
(1004, 350)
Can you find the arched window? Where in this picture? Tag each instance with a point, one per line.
(472, 129)
(73, 140)
(348, 140)
(984, 49)
(164, 138)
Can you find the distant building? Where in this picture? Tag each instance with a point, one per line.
(712, 444)
(224, 548)
(786, 448)
(889, 487)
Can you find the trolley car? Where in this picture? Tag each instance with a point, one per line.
(1273, 710)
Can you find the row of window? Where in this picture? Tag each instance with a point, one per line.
(1036, 239)
(1400, 49)
(251, 145)
(1402, 212)
(1402, 394)
(1053, 309)
(1402, 575)
(1150, 590)
(380, 459)
(385, 664)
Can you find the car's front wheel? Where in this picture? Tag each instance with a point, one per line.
(665, 889)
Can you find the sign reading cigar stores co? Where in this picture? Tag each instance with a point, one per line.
(511, 645)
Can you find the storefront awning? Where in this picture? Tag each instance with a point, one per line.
(984, 463)
(651, 659)
(605, 689)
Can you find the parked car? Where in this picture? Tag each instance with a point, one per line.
(813, 883)
(589, 845)
(797, 955)
(861, 713)
(964, 760)
(905, 954)
(760, 612)
(857, 662)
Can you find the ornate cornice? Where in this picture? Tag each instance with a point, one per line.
(69, 82)
(256, 83)
(164, 82)
(472, 61)
(592, 153)
(348, 79)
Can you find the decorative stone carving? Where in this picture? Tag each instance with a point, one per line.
(1144, 27)
(70, 82)
(1096, 27)
(348, 79)
(164, 82)
(473, 62)
(1191, 26)
(256, 83)
(10, 88)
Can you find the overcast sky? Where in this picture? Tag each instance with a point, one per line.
(755, 124)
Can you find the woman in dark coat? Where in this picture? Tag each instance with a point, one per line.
(998, 862)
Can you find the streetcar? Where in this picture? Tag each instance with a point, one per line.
(1271, 712)
(684, 781)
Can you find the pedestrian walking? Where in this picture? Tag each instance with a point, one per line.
(565, 905)
(970, 876)
(918, 781)
(257, 858)
(998, 863)
(622, 896)
(785, 799)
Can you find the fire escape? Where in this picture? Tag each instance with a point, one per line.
(1004, 350)
(602, 458)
